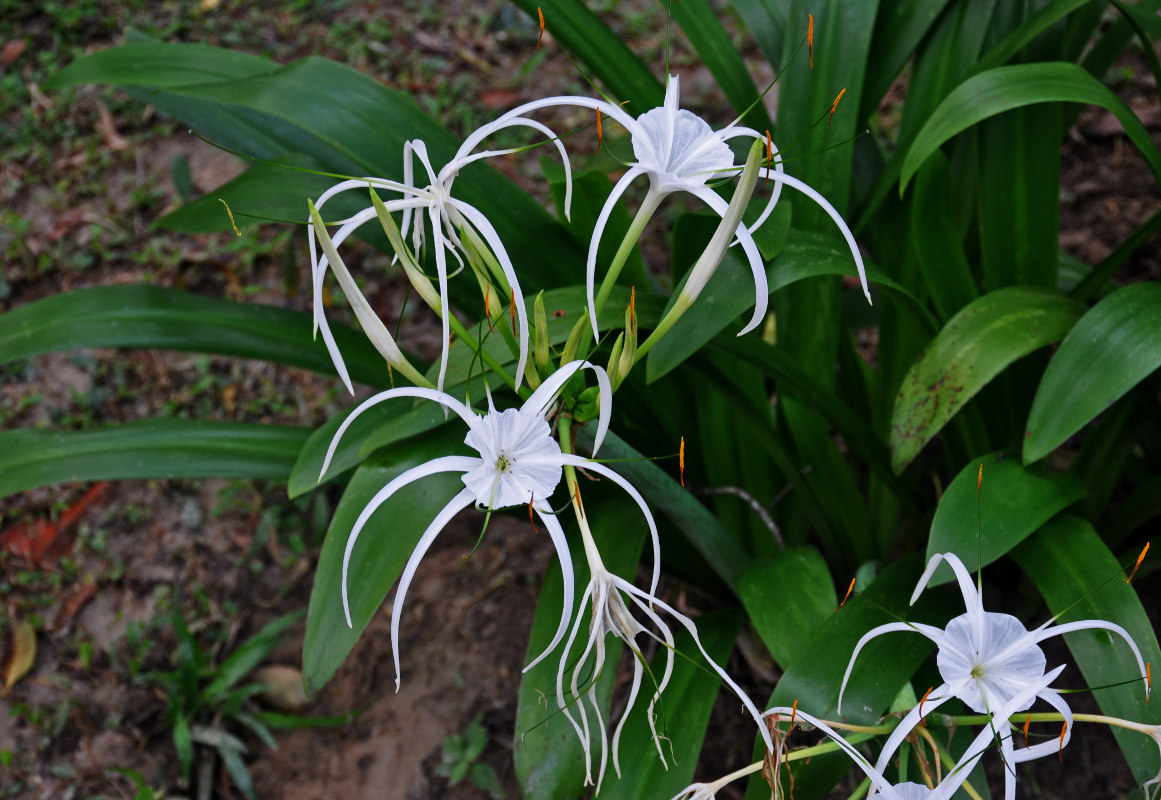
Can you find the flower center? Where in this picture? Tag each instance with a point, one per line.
(504, 463)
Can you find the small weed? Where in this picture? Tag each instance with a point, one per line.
(460, 759)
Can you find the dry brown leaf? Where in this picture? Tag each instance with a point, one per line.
(284, 691)
(11, 51)
(21, 655)
(113, 140)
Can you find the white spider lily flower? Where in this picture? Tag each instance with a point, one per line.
(987, 660)
(679, 152)
(518, 463)
(613, 600)
(448, 216)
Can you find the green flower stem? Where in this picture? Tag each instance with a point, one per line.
(592, 554)
(640, 220)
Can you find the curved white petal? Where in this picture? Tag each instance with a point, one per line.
(443, 399)
(934, 634)
(437, 244)
(1054, 745)
(667, 643)
(595, 242)
(545, 394)
(687, 623)
(1044, 632)
(910, 721)
(608, 109)
(444, 464)
(601, 469)
(972, 601)
(782, 177)
(481, 224)
(556, 533)
(775, 159)
(454, 506)
(753, 257)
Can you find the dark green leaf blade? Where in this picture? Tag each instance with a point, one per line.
(975, 346)
(1069, 563)
(165, 66)
(1111, 349)
(1012, 504)
(150, 448)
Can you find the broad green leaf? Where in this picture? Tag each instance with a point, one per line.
(900, 27)
(788, 597)
(1111, 349)
(549, 759)
(1005, 88)
(702, 25)
(682, 714)
(1047, 16)
(166, 66)
(380, 553)
(766, 20)
(152, 316)
(1072, 568)
(938, 245)
(974, 347)
(1011, 505)
(150, 448)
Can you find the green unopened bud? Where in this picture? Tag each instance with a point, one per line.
(540, 332)
(369, 321)
(628, 353)
(587, 405)
(573, 342)
(615, 361)
(420, 282)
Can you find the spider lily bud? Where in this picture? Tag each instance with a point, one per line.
(625, 350)
(573, 342)
(708, 263)
(615, 360)
(419, 281)
(587, 406)
(369, 321)
(540, 328)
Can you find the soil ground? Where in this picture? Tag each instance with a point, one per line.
(82, 176)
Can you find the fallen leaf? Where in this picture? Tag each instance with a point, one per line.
(72, 605)
(284, 690)
(40, 539)
(113, 140)
(11, 51)
(21, 655)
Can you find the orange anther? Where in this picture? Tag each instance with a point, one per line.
(600, 135)
(1027, 722)
(834, 106)
(681, 460)
(633, 307)
(1063, 730)
(1136, 566)
(1148, 680)
(540, 14)
(923, 699)
(532, 519)
(793, 713)
(810, 39)
(980, 478)
(846, 596)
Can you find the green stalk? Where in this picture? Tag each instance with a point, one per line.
(640, 220)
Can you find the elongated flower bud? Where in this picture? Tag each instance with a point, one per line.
(540, 328)
(420, 282)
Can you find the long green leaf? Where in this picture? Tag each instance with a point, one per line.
(712, 43)
(581, 32)
(152, 316)
(974, 347)
(1111, 349)
(1069, 565)
(379, 554)
(682, 714)
(788, 597)
(165, 66)
(243, 659)
(1047, 16)
(151, 448)
(1005, 88)
(1011, 504)
(766, 20)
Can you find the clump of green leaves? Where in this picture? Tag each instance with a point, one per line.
(460, 759)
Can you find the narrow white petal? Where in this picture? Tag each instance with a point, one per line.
(556, 533)
(1054, 745)
(437, 244)
(481, 224)
(601, 469)
(806, 189)
(444, 464)
(608, 109)
(972, 601)
(454, 506)
(934, 634)
(545, 394)
(595, 242)
(1068, 627)
(910, 721)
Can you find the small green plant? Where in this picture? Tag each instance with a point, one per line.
(460, 756)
